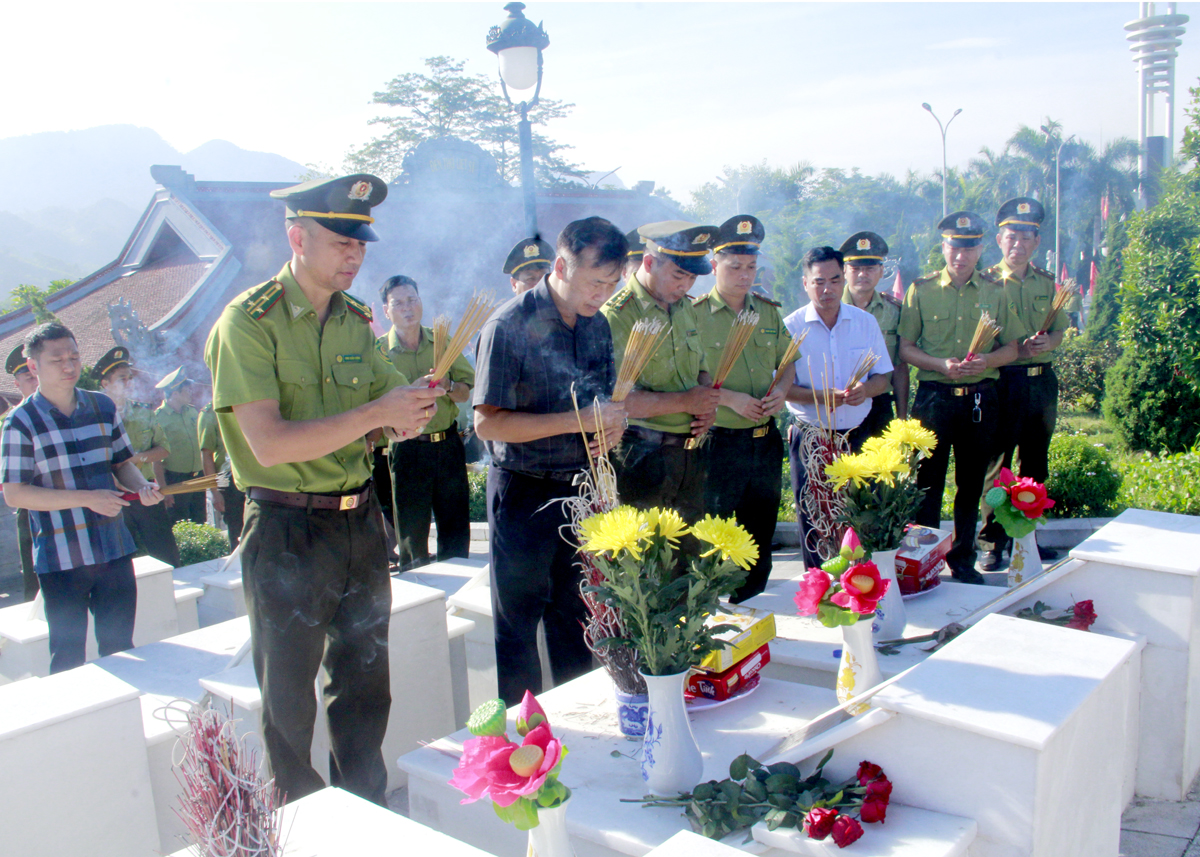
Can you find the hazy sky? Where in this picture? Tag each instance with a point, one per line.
(666, 91)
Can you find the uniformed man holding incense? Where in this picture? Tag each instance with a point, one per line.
(956, 397)
(149, 525)
(429, 471)
(228, 500)
(178, 419)
(528, 263)
(18, 367)
(745, 467)
(863, 253)
(658, 462)
(298, 382)
(1028, 387)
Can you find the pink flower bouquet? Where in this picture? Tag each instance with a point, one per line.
(1019, 504)
(842, 600)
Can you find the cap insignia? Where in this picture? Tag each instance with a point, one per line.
(745, 227)
(962, 222)
(530, 251)
(863, 244)
(702, 238)
(360, 190)
(1022, 208)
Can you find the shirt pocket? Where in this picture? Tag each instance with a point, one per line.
(762, 351)
(298, 394)
(690, 368)
(354, 383)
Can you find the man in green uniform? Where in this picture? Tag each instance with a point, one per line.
(745, 466)
(1028, 387)
(528, 263)
(633, 258)
(956, 397)
(227, 500)
(177, 419)
(429, 471)
(150, 525)
(298, 383)
(863, 253)
(658, 462)
(17, 366)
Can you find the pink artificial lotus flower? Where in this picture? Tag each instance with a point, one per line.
(497, 768)
(1029, 497)
(813, 586)
(1005, 478)
(530, 714)
(862, 587)
(851, 547)
(472, 777)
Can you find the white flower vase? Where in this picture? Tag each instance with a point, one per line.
(1025, 562)
(671, 760)
(858, 670)
(889, 620)
(550, 838)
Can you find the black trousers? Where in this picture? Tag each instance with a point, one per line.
(430, 478)
(953, 419)
(318, 593)
(535, 578)
(151, 529)
(109, 591)
(745, 477)
(381, 479)
(1030, 408)
(187, 507)
(235, 513)
(874, 423)
(29, 578)
(650, 473)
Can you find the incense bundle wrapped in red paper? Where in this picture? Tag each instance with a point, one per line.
(739, 335)
(190, 486)
(789, 357)
(478, 311)
(1061, 298)
(986, 332)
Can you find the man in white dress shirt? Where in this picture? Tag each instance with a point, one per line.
(840, 336)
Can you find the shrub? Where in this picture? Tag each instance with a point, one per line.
(199, 542)
(1081, 363)
(787, 503)
(1169, 483)
(1083, 481)
(477, 483)
(1150, 405)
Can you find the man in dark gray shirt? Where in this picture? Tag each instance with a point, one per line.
(531, 352)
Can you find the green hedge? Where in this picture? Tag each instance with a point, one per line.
(199, 542)
(1150, 405)
(1081, 364)
(1083, 481)
(1167, 483)
(477, 483)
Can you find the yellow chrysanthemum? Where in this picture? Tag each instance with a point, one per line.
(846, 468)
(613, 532)
(728, 537)
(666, 523)
(874, 444)
(886, 463)
(911, 433)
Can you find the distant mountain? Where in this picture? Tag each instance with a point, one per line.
(68, 199)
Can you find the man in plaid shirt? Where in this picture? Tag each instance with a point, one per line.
(60, 450)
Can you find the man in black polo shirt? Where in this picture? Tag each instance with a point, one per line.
(531, 352)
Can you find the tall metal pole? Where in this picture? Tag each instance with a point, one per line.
(1057, 211)
(943, 129)
(525, 135)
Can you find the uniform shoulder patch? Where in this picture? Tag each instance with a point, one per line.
(890, 299)
(143, 405)
(1042, 271)
(928, 278)
(987, 277)
(702, 299)
(357, 307)
(621, 298)
(768, 300)
(262, 299)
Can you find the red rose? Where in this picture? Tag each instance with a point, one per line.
(1030, 498)
(880, 789)
(862, 587)
(1083, 616)
(868, 771)
(874, 811)
(846, 830)
(819, 822)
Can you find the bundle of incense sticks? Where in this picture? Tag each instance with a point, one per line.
(190, 486)
(866, 363)
(1061, 298)
(478, 311)
(986, 332)
(739, 335)
(789, 357)
(645, 338)
(441, 334)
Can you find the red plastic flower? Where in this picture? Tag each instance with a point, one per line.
(1030, 498)
(813, 586)
(862, 587)
(1083, 616)
(1005, 478)
(846, 830)
(473, 775)
(868, 771)
(496, 767)
(530, 714)
(819, 822)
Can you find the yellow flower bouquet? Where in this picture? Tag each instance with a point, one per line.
(879, 484)
(663, 607)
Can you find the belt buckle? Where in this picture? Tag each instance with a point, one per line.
(760, 431)
(959, 391)
(1034, 371)
(350, 501)
(692, 443)
(437, 437)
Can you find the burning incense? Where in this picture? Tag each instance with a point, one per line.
(441, 335)
(986, 332)
(1061, 298)
(645, 338)
(190, 486)
(866, 363)
(739, 335)
(789, 357)
(478, 311)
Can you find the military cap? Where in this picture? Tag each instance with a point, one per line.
(863, 248)
(174, 381)
(16, 361)
(1022, 214)
(742, 234)
(342, 205)
(637, 247)
(684, 243)
(962, 229)
(115, 357)
(529, 251)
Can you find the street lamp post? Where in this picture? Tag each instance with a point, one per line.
(1057, 199)
(943, 129)
(519, 44)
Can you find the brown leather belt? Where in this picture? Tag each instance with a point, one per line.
(342, 502)
(434, 437)
(965, 390)
(662, 438)
(1025, 371)
(754, 431)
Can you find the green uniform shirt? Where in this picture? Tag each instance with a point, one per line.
(1030, 300)
(416, 364)
(144, 432)
(180, 429)
(676, 366)
(269, 344)
(754, 370)
(210, 436)
(940, 320)
(885, 309)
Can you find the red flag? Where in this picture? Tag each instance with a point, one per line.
(1063, 278)
(1092, 283)
(898, 287)
(1104, 207)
